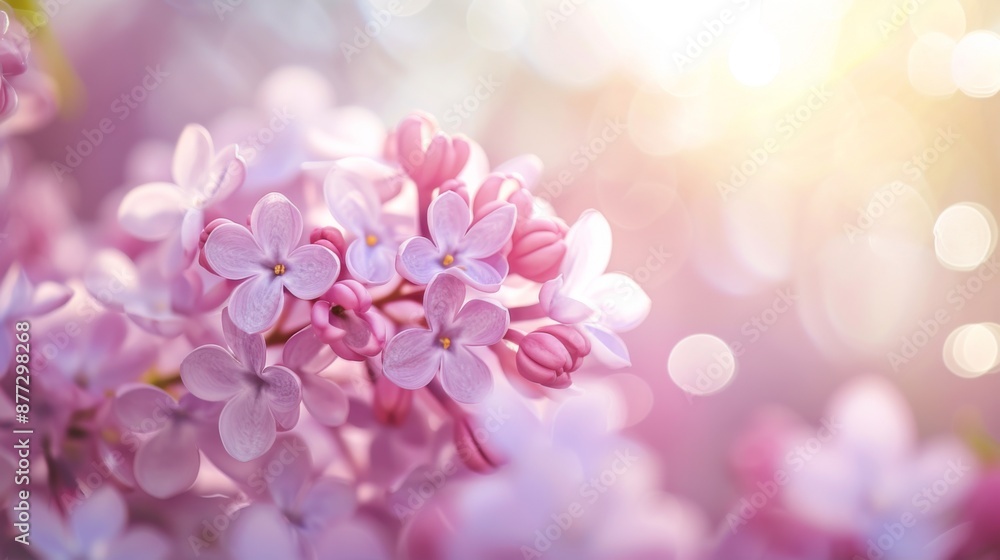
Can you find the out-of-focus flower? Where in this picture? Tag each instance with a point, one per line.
(547, 356)
(202, 178)
(95, 530)
(355, 205)
(603, 304)
(413, 357)
(14, 48)
(307, 355)
(266, 260)
(343, 318)
(103, 356)
(472, 253)
(21, 300)
(258, 399)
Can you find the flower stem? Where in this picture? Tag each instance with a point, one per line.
(527, 313)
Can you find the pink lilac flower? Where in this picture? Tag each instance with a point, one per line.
(266, 260)
(602, 304)
(258, 399)
(95, 530)
(355, 205)
(307, 356)
(14, 47)
(202, 178)
(343, 318)
(415, 356)
(21, 300)
(165, 435)
(472, 253)
(430, 157)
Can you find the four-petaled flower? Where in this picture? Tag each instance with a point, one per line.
(472, 253)
(202, 177)
(258, 399)
(603, 304)
(267, 260)
(413, 357)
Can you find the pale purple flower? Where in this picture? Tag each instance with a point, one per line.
(267, 261)
(304, 507)
(429, 156)
(21, 300)
(102, 355)
(258, 399)
(355, 205)
(202, 177)
(343, 318)
(603, 304)
(14, 48)
(413, 357)
(472, 253)
(95, 530)
(165, 433)
(307, 356)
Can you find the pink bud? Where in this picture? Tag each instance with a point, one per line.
(331, 238)
(473, 447)
(429, 156)
(456, 186)
(538, 249)
(392, 404)
(548, 355)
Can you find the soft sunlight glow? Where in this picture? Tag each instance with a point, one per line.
(964, 236)
(755, 57)
(701, 364)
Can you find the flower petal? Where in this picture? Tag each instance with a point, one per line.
(351, 199)
(99, 517)
(143, 408)
(212, 374)
(481, 323)
(46, 297)
(153, 211)
(140, 542)
(443, 300)
(412, 358)
(246, 426)
(607, 347)
(448, 220)
(261, 532)
(371, 265)
(418, 260)
(284, 394)
(482, 274)
(233, 253)
(621, 302)
(249, 349)
(487, 236)
(311, 270)
(228, 172)
(256, 303)
(306, 354)
(325, 400)
(559, 307)
(192, 157)
(276, 225)
(328, 500)
(464, 376)
(167, 464)
(588, 250)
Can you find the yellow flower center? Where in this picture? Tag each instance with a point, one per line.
(447, 260)
(371, 240)
(446, 342)
(279, 269)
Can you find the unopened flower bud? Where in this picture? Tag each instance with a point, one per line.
(474, 448)
(392, 404)
(548, 355)
(204, 237)
(538, 248)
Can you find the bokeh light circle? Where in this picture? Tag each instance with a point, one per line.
(965, 235)
(975, 64)
(973, 350)
(701, 364)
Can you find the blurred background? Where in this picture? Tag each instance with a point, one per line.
(805, 188)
